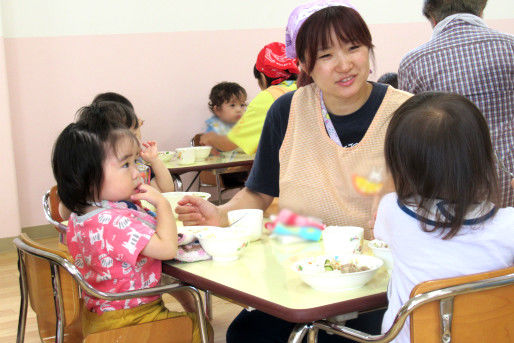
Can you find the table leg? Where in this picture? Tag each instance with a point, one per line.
(192, 182)
(178, 182)
(208, 304)
(298, 333)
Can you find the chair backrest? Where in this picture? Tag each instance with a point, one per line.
(51, 209)
(41, 294)
(483, 316)
(195, 141)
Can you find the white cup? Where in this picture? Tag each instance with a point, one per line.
(342, 240)
(249, 220)
(185, 155)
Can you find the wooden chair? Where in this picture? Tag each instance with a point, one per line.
(51, 282)
(208, 178)
(51, 210)
(471, 308)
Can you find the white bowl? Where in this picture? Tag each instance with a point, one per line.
(312, 272)
(381, 250)
(174, 197)
(167, 156)
(247, 220)
(202, 152)
(223, 244)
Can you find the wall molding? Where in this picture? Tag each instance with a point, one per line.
(35, 232)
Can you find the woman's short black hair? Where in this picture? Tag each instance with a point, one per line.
(109, 111)
(268, 79)
(78, 156)
(438, 146)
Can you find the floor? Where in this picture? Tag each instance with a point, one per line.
(224, 311)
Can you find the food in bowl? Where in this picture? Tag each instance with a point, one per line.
(223, 244)
(167, 156)
(381, 250)
(376, 243)
(343, 268)
(358, 270)
(202, 152)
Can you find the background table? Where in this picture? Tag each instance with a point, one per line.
(264, 278)
(216, 163)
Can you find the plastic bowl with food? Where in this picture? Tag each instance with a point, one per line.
(223, 244)
(174, 197)
(167, 156)
(202, 152)
(328, 273)
(381, 250)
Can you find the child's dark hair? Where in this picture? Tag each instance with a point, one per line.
(389, 79)
(111, 96)
(109, 111)
(438, 146)
(78, 156)
(223, 92)
(269, 80)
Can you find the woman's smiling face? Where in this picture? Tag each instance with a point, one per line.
(341, 71)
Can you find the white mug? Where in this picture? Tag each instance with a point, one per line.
(249, 220)
(342, 240)
(185, 155)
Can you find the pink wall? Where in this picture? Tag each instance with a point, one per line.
(9, 195)
(167, 76)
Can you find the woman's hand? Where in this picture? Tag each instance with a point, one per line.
(197, 211)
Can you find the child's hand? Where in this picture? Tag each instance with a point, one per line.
(206, 138)
(149, 152)
(152, 195)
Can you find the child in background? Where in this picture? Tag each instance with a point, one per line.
(227, 101)
(389, 79)
(115, 244)
(157, 175)
(443, 220)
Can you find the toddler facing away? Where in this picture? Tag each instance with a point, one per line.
(156, 173)
(443, 220)
(116, 245)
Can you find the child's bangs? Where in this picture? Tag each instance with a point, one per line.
(121, 140)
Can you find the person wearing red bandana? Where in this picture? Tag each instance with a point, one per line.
(276, 75)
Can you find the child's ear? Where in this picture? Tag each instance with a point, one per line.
(216, 110)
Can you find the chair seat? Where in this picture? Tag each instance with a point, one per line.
(176, 330)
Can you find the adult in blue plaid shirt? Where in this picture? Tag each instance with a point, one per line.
(465, 56)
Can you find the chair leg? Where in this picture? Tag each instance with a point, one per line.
(199, 313)
(312, 335)
(22, 320)
(59, 306)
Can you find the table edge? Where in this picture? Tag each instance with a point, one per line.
(366, 303)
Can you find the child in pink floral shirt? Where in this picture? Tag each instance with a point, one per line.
(116, 245)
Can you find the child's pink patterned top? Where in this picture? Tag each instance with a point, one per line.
(106, 246)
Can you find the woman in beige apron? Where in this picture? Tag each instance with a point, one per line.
(321, 148)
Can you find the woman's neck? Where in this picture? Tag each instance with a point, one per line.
(342, 107)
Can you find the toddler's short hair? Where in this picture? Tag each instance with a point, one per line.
(109, 111)
(224, 92)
